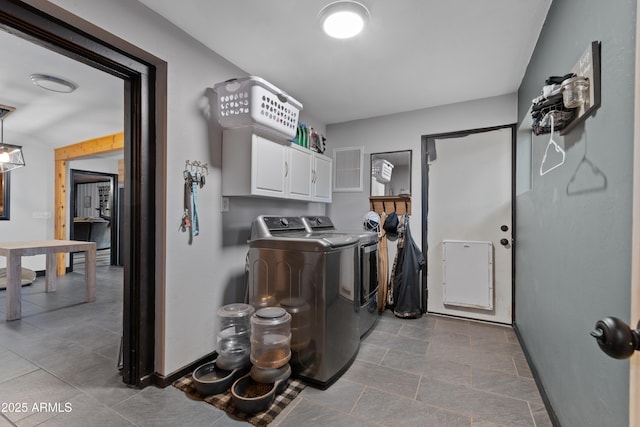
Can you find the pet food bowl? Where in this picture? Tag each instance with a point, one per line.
(209, 379)
(250, 396)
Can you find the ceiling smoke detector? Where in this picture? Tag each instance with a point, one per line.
(344, 19)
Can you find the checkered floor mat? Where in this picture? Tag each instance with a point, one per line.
(223, 401)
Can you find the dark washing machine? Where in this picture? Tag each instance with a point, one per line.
(311, 276)
(366, 286)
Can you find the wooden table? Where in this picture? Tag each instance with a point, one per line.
(14, 251)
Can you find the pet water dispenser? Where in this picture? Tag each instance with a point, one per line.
(270, 354)
(270, 338)
(233, 344)
(234, 335)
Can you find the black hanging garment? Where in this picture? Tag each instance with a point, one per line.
(406, 282)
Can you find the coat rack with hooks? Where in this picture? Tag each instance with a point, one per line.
(196, 167)
(194, 178)
(388, 204)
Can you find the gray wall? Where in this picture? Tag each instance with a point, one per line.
(573, 251)
(403, 131)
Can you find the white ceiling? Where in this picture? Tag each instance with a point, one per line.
(413, 53)
(55, 119)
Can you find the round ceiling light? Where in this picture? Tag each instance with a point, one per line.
(344, 19)
(52, 83)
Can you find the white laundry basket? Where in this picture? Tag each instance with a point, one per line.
(381, 170)
(251, 101)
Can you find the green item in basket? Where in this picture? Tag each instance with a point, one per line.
(305, 136)
(298, 139)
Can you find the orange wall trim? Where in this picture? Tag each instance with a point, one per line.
(105, 144)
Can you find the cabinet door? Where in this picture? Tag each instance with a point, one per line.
(299, 173)
(268, 167)
(321, 177)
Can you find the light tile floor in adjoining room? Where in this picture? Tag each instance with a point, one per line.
(432, 371)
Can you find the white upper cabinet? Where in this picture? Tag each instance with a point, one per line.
(252, 165)
(256, 166)
(268, 167)
(299, 165)
(321, 178)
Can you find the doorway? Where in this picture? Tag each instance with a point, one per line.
(93, 214)
(144, 78)
(468, 190)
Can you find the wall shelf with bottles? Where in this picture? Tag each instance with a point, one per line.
(569, 99)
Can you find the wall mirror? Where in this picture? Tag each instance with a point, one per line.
(4, 196)
(391, 173)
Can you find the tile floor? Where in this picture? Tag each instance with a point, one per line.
(433, 371)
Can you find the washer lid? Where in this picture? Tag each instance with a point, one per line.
(364, 237)
(335, 240)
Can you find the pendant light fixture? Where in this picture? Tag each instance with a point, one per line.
(10, 155)
(344, 19)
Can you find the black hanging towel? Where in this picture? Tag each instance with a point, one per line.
(406, 281)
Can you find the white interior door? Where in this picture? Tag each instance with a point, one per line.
(469, 199)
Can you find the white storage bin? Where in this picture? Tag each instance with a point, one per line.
(251, 101)
(381, 170)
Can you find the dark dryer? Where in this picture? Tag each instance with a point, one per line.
(366, 286)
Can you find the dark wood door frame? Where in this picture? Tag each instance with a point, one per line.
(145, 83)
